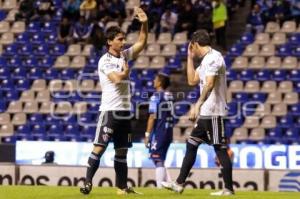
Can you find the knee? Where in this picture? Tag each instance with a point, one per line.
(99, 149)
(192, 144)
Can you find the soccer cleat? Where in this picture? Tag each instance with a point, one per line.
(173, 186)
(126, 191)
(87, 188)
(224, 192)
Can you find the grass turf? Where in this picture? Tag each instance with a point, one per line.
(49, 192)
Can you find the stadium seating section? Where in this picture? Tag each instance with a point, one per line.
(50, 91)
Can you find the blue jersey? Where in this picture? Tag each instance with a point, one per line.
(161, 104)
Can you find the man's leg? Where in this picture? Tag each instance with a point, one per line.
(121, 169)
(93, 165)
(189, 159)
(160, 173)
(226, 165)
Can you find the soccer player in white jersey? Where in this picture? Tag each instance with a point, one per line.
(208, 112)
(115, 115)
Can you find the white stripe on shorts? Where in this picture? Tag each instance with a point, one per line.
(99, 124)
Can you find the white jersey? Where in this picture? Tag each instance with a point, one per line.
(213, 64)
(114, 96)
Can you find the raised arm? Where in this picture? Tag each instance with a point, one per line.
(142, 40)
(192, 76)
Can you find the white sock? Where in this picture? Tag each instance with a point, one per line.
(168, 177)
(160, 173)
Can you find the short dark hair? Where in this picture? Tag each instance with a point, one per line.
(201, 37)
(164, 79)
(112, 32)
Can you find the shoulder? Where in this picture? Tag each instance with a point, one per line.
(213, 58)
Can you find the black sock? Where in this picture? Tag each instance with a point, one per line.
(226, 164)
(93, 165)
(121, 170)
(188, 161)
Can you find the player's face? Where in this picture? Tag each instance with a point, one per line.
(118, 42)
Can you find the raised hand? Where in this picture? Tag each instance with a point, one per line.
(140, 15)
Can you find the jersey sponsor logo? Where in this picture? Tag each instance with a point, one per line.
(290, 182)
(108, 130)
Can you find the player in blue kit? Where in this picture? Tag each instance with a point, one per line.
(159, 133)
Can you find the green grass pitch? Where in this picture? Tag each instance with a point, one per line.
(49, 192)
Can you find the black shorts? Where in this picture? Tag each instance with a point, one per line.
(115, 126)
(210, 129)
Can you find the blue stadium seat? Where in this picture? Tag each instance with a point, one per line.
(235, 122)
(34, 27)
(284, 50)
(92, 62)
(89, 129)
(5, 73)
(260, 97)
(26, 50)
(192, 96)
(182, 108)
(30, 62)
(8, 139)
(174, 63)
(7, 84)
(41, 50)
(241, 97)
(182, 50)
(38, 129)
(296, 52)
(247, 38)
(275, 133)
(37, 38)
(51, 73)
(19, 73)
(36, 118)
(279, 75)
(47, 62)
(231, 75)
(233, 108)
(247, 75)
(14, 62)
(294, 75)
(263, 75)
(23, 84)
(23, 38)
(11, 94)
(72, 129)
(55, 129)
(236, 50)
(57, 49)
(87, 137)
(3, 104)
(23, 129)
(51, 38)
(86, 118)
(36, 73)
(295, 109)
(2, 62)
(294, 39)
(292, 134)
(148, 74)
(93, 107)
(68, 74)
(285, 121)
(10, 50)
(49, 27)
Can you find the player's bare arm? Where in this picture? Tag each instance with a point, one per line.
(150, 125)
(142, 40)
(193, 78)
(117, 77)
(208, 87)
